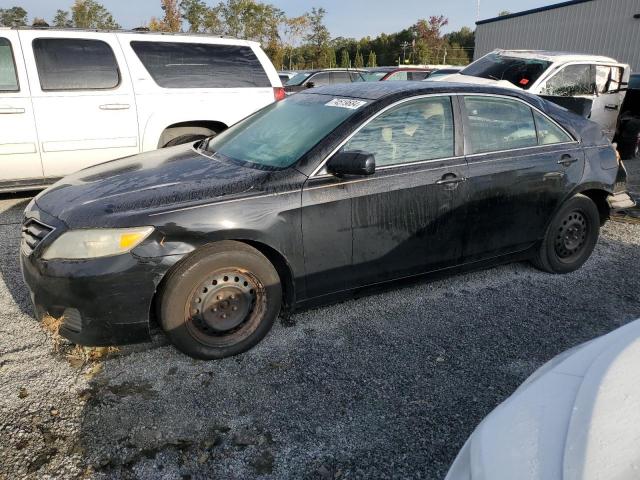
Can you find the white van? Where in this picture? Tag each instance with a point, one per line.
(71, 98)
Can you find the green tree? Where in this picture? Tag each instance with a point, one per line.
(345, 61)
(62, 19)
(91, 14)
(13, 17)
(359, 61)
(194, 12)
(333, 61)
(318, 37)
(372, 61)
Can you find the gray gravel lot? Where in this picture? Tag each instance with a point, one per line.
(386, 386)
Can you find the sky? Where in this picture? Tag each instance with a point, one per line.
(345, 18)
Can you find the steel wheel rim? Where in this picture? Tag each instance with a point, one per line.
(571, 236)
(225, 308)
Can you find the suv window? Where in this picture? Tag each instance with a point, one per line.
(415, 131)
(572, 80)
(322, 78)
(341, 77)
(497, 124)
(548, 132)
(8, 76)
(608, 79)
(201, 65)
(75, 64)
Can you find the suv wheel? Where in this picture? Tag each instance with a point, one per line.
(570, 238)
(220, 301)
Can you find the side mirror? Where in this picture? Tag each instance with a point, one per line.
(354, 162)
(310, 85)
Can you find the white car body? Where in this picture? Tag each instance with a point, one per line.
(606, 105)
(48, 134)
(576, 418)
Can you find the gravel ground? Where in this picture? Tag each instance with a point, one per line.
(386, 386)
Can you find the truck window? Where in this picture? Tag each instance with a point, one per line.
(75, 64)
(201, 65)
(8, 77)
(608, 79)
(572, 80)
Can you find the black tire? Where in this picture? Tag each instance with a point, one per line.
(220, 301)
(182, 139)
(570, 237)
(629, 143)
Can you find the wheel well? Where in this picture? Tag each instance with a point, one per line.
(205, 127)
(599, 197)
(281, 266)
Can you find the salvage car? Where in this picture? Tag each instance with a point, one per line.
(557, 75)
(577, 417)
(310, 199)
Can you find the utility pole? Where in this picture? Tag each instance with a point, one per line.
(478, 12)
(404, 46)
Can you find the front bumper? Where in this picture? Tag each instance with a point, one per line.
(105, 301)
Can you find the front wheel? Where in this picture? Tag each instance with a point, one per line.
(220, 301)
(570, 238)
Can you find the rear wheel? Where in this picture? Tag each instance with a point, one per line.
(220, 301)
(570, 238)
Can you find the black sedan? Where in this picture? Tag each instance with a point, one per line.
(309, 199)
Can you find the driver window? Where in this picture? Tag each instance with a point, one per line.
(415, 131)
(572, 80)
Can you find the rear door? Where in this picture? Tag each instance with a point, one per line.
(82, 97)
(19, 153)
(522, 165)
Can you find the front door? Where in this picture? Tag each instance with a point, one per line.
(407, 218)
(522, 165)
(19, 154)
(83, 99)
(609, 98)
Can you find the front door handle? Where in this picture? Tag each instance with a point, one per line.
(11, 110)
(450, 179)
(115, 106)
(612, 107)
(566, 160)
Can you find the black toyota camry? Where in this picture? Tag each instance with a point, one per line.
(329, 191)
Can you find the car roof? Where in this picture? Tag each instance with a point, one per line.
(380, 90)
(555, 56)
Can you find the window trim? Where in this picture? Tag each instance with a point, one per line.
(106, 89)
(459, 118)
(15, 69)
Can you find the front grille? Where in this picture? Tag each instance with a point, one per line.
(33, 232)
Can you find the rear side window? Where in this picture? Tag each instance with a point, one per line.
(496, 124)
(608, 79)
(75, 64)
(200, 65)
(8, 76)
(548, 132)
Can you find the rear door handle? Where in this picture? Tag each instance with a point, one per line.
(567, 160)
(450, 179)
(11, 110)
(115, 106)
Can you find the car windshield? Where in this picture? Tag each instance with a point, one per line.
(373, 76)
(522, 72)
(297, 79)
(279, 135)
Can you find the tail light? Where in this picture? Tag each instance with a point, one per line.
(279, 94)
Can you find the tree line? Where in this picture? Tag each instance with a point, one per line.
(291, 42)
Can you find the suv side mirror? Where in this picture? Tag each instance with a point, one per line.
(310, 85)
(354, 162)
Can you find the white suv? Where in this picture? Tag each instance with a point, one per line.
(70, 99)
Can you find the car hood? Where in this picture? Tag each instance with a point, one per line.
(459, 78)
(154, 181)
(576, 418)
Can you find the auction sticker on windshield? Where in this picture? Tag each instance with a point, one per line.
(349, 103)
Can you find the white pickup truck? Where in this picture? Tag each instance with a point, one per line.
(560, 77)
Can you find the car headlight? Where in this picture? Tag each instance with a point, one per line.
(95, 243)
